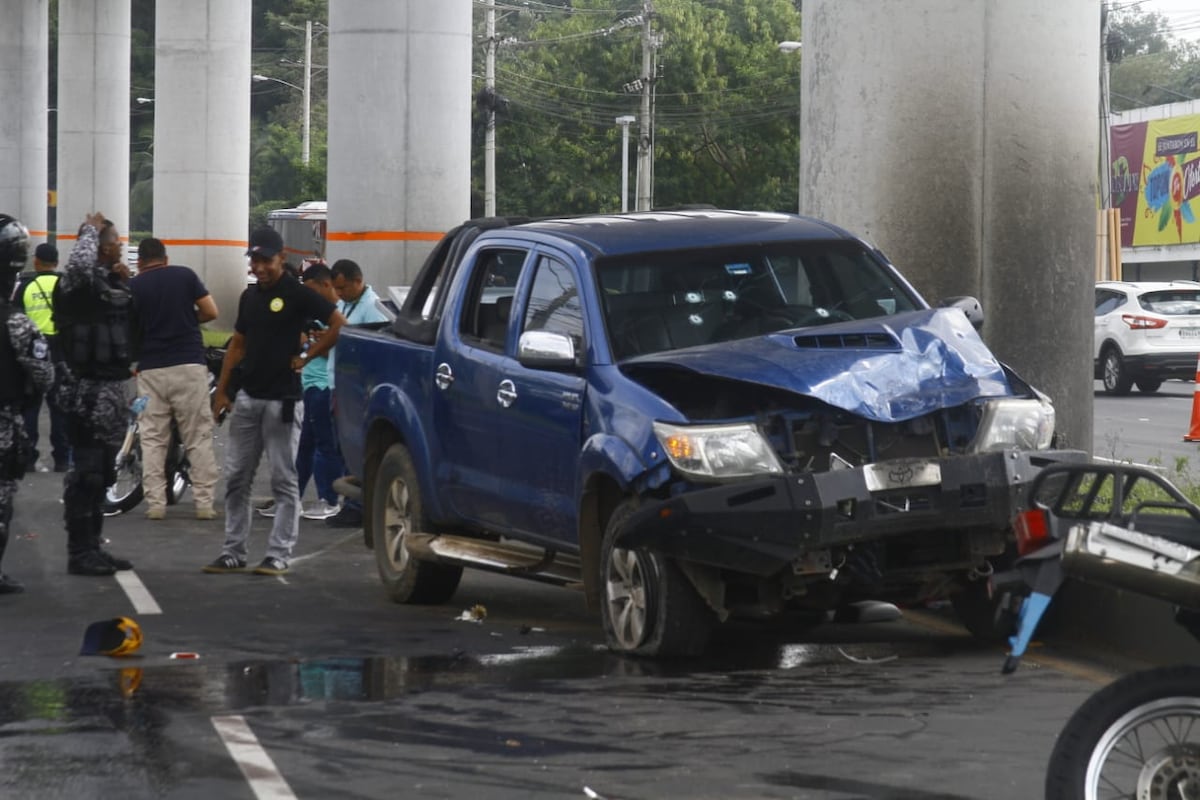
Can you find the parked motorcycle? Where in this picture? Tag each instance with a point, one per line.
(126, 491)
(1128, 528)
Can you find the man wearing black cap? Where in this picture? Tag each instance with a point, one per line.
(266, 416)
(34, 296)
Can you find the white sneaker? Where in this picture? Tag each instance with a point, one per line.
(267, 509)
(321, 510)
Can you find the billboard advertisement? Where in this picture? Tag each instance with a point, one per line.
(1155, 180)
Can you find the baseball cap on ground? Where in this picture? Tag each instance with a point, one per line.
(46, 252)
(265, 242)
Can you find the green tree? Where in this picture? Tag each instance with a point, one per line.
(278, 176)
(1148, 65)
(141, 119)
(725, 111)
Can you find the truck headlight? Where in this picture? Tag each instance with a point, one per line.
(717, 451)
(1013, 422)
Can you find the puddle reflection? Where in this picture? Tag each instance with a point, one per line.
(134, 695)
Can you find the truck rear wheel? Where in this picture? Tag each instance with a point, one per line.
(396, 511)
(649, 607)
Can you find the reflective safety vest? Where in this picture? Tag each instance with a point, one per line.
(38, 301)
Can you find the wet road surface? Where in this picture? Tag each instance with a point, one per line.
(912, 714)
(314, 685)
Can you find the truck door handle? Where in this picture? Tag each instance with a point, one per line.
(506, 395)
(444, 376)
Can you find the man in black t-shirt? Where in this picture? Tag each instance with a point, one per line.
(266, 415)
(170, 303)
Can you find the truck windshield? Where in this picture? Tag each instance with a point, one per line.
(667, 301)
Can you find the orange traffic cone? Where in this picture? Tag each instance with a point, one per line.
(1193, 434)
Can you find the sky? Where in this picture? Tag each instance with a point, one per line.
(1182, 15)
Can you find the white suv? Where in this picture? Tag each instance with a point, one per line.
(1145, 333)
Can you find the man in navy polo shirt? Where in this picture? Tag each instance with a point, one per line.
(170, 304)
(266, 413)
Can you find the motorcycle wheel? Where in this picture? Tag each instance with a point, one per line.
(1137, 737)
(178, 478)
(126, 491)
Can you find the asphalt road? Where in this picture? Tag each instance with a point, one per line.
(314, 685)
(1147, 428)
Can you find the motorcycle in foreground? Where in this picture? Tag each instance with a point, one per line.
(1128, 528)
(126, 491)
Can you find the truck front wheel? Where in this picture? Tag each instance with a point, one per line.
(396, 512)
(649, 608)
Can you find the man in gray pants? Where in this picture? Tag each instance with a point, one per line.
(266, 357)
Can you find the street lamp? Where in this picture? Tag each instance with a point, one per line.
(304, 142)
(625, 121)
(794, 47)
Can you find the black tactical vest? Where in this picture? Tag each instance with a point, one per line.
(94, 323)
(12, 377)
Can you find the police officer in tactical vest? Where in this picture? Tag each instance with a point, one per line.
(92, 312)
(33, 297)
(25, 370)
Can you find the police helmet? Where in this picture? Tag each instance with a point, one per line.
(14, 244)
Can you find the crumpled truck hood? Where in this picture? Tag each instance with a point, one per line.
(888, 369)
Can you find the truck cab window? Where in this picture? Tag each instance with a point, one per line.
(485, 314)
(554, 302)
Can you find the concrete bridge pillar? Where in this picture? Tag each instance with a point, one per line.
(399, 131)
(24, 65)
(961, 137)
(202, 141)
(93, 113)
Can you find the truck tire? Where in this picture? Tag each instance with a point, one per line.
(396, 511)
(649, 607)
(1137, 737)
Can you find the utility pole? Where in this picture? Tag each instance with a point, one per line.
(489, 140)
(305, 88)
(1105, 135)
(645, 163)
(306, 140)
(1108, 265)
(625, 121)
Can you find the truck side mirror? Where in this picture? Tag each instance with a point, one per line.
(546, 350)
(969, 306)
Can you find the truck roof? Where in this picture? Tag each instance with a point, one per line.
(619, 234)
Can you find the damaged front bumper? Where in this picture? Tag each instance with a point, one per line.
(760, 526)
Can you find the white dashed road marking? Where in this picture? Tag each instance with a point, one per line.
(139, 595)
(257, 767)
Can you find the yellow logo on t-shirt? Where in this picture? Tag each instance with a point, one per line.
(277, 304)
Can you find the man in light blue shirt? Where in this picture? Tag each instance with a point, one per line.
(358, 305)
(358, 300)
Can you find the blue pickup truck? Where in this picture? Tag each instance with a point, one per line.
(691, 415)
